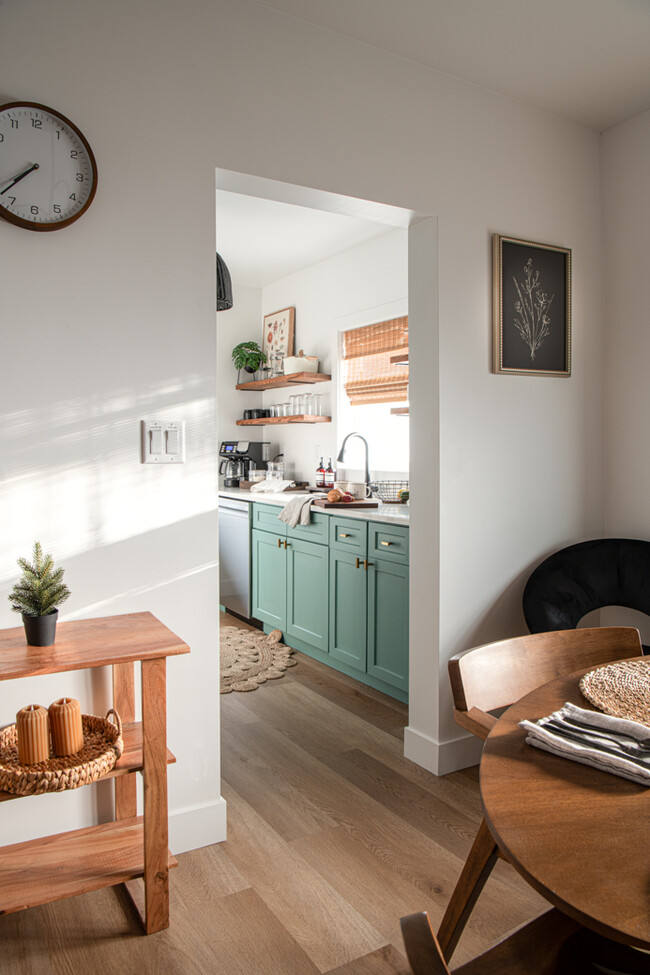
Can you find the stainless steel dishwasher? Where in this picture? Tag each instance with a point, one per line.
(234, 555)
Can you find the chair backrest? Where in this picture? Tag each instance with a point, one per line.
(587, 576)
(496, 674)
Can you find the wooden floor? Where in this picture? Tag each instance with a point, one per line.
(333, 835)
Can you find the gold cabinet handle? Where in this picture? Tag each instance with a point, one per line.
(279, 543)
(366, 563)
(286, 543)
(343, 535)
(386, 543)
(356, 563)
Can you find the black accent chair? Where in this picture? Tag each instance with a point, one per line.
(587, 576)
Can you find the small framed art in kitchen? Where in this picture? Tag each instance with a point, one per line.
(532, 307)
(277, 338)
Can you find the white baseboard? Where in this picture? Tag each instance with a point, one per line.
(197, 826)
(441, 757)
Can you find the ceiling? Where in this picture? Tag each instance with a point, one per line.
(264, 240)
(585, 60)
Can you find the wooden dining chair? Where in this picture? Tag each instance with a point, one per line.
(493, 676)
(534, 949)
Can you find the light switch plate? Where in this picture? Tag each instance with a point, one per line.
(163, 441)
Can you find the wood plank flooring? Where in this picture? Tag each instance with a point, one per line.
(333, 835)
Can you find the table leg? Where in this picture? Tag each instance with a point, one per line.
(477, 869)
(126, 802)
(154, 753)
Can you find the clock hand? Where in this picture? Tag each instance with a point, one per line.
(17, 179)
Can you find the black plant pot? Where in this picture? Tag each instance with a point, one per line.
(40, 631)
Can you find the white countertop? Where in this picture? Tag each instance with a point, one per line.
(397, 514)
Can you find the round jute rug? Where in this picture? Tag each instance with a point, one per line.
(249, 658)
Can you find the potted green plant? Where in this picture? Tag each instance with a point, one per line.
(248, 356)
(37, 595)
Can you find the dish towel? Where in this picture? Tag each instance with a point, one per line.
(611, 744)
(298, 511)
(272, 485)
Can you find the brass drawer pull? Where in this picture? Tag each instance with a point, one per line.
(386, 543)
(279, 543)
(356, 563)
(366, 563)
(286, 543)
(343, 535)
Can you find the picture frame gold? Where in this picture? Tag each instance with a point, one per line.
(278, 333)
(531, 286)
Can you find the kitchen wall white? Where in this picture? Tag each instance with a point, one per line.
(113, 318)
(239, 324)
(364, 284)
(626, 222)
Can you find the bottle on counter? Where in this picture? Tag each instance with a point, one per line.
(330, 476)
(320, 475)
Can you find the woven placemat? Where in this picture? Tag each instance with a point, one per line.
(101, 749)
(621, 689)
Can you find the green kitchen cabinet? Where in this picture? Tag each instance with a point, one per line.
(338, 589)
(369, 598)
(269, 582)
(290, 577)
(307, 582)
(388, 622)
(348, 610)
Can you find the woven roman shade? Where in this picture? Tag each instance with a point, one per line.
(369, 375)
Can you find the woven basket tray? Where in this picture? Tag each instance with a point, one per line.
(621, 688)
(101, 749)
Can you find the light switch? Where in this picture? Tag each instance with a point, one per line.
(163, 442)
(155, 441)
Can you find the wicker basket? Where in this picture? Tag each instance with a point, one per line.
(101, 749)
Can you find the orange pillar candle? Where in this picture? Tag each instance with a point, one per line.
(33, 734)
(65, 726)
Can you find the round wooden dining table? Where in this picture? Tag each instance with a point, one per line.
(579, 836)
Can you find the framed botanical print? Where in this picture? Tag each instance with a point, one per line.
(532, 307)
(277, 338)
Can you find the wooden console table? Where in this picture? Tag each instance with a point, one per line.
(54, 867)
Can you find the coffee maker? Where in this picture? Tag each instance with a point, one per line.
(239, 457)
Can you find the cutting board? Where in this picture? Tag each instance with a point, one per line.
(322, 503)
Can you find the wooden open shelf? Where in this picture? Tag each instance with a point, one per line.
(400, 411)
(399, 360)
(129, 761)
(59, 866)
(271, 421)
(281, 382)
(53, 867)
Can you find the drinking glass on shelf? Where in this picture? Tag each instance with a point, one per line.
(299, 404)
(308, 404)
(293, 405)
(317, 404)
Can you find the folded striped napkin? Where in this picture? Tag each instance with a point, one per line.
(604, 742)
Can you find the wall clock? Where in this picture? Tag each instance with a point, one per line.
(48, 174)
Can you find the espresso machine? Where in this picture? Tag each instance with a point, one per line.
(239, 457)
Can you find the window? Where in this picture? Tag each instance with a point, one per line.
(374, 383)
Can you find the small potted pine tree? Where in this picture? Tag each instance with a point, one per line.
(37, 595)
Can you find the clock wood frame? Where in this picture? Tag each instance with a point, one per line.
(57, 225)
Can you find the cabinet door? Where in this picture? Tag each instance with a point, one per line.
(307, 592)
(388, 622)
(269, 579)
(348, 604)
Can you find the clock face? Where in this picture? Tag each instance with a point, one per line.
(48, 174)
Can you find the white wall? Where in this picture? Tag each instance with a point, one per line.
(239, 324)
(626, 221)
(364, 284)
(114, 317)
